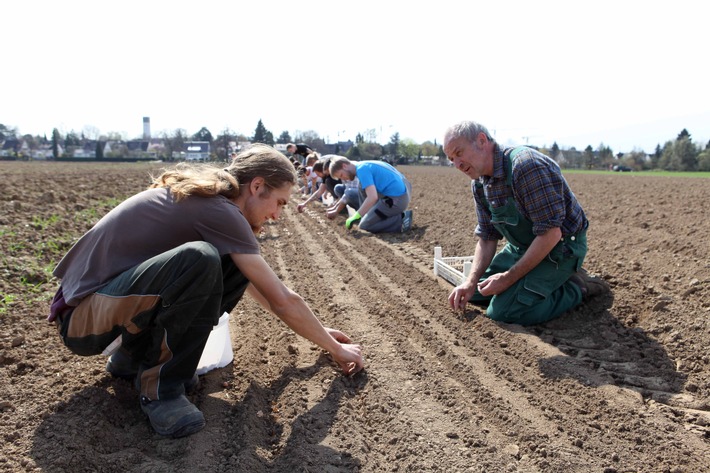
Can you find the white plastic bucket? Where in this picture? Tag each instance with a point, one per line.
(218, 351)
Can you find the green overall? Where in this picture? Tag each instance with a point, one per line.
(545, 292)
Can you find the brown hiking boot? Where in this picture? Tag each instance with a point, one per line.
(590, 286)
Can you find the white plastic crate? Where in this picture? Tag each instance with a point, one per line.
(454, 269)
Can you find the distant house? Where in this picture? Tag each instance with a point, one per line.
(341, 147)
(44, 152)
(126, 149)
(74, 151)
(137, 148)
(86, 151)
(115, 149)
(24, 149)
(434, 160)
(16, 148)
(156, 148)
(196, 150)
(10, 149)
(561, 159)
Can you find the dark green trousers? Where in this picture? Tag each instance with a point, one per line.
(544, 293)
(164, 310)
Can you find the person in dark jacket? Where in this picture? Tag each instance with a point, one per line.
(301, 150)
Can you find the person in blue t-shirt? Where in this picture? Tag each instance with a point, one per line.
(384, 195)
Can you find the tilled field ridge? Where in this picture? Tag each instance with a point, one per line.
(621, 383)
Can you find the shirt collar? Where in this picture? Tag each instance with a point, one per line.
(499, 158)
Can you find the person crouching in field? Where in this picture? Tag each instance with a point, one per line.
(384, 195)
(321, 169)
(520, 195)
(160, 268)
(312, 179)
(299, 151)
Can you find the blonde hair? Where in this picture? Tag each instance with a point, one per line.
(312, 158)
(204, 180)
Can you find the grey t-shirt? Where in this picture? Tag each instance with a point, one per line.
(146, 225)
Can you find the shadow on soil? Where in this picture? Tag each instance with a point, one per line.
(598, 349)
(293, 442)
(414, 234)
(101, 428)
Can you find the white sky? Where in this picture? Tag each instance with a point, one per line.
(630, 74)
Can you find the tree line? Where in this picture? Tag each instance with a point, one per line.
(679, 154)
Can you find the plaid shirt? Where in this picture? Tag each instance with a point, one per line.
(541, 194)
(354, 184)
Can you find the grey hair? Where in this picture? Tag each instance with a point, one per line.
(468, 130)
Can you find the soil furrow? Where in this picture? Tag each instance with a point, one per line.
(395, 290)
(395, 359)
(428, 348)
(621, 383)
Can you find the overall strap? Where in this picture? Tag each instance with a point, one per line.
(511, 154)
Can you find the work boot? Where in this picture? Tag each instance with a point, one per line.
(407, 220)
(173, 417)
(120, 365)
(589, 285)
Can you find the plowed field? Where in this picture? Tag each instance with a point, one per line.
(620, 384)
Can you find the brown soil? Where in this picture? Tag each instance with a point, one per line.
(622, 383)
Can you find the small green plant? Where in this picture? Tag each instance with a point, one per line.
(49, 249)
(6, 301)
(17, 246)
(47, 270)
(111, 203)
(31, 285)
(40, 223)
(90, 214)
(53, 246)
